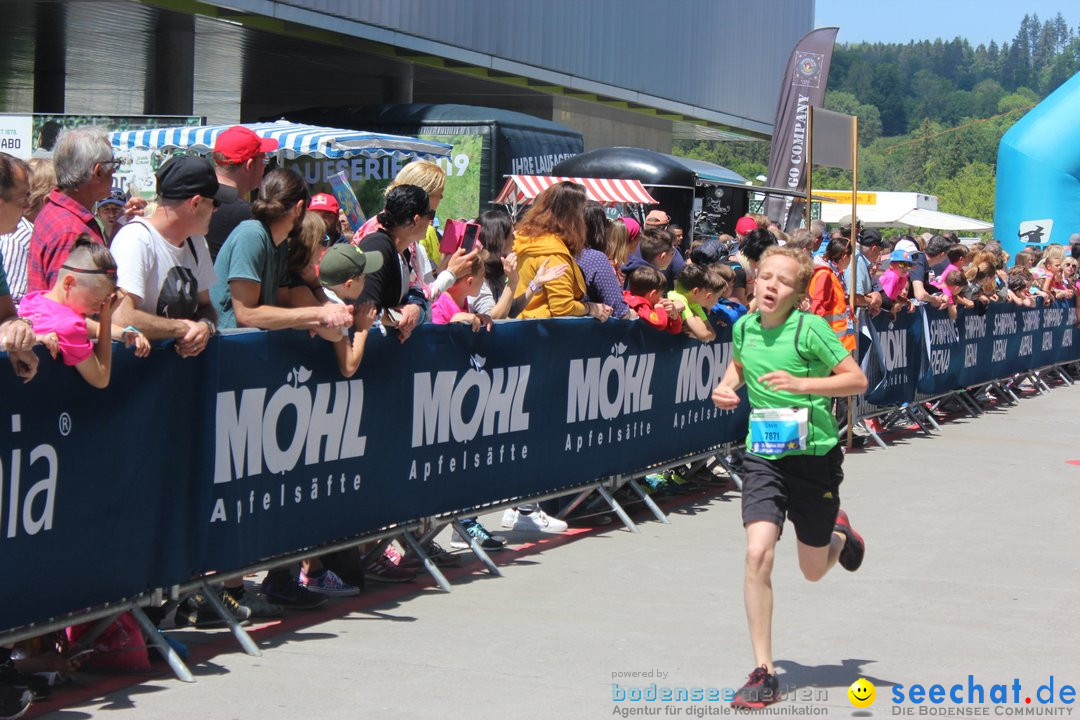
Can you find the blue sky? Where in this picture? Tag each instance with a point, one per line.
(978, 21)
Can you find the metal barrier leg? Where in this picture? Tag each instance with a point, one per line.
(474, 545)
(873, 434)
(653, 507)
(578, 499)
(930, 417)
(910, 412)
(429, 564)
(1039, 379)
(730, 471)
(1063, 375)
(617, 508)
(238, 632)
(175, 662)
(970, 402)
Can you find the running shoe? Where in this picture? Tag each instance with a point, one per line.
(326, 582)
(851, 556)
(384, 569)
(478, 531)
(761, 689)
(539, 521)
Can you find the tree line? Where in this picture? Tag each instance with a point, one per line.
(931, 113)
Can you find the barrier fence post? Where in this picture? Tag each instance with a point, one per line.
(171, 656)
(474, 545)
(238, 632)
(606, 494)
(429, 564)
(649, 503)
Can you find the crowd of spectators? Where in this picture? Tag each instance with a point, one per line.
(81, 257)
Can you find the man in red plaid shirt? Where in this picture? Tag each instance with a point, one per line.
(84, 166)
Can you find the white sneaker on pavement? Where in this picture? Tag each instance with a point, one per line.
(538, 521)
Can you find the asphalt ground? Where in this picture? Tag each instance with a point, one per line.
(972, 569)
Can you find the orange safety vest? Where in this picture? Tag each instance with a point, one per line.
(827, 300)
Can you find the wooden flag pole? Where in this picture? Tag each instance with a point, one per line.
(854, 246)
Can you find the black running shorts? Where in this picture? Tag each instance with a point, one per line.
(804, 488)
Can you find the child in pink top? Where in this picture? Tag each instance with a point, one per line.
(85, 285)
(894, 280)
(453, 305)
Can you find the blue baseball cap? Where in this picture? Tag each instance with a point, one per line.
(900, 256)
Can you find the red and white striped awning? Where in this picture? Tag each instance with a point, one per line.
(523, 189)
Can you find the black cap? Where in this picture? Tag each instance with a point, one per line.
(185, 176)
(871, 238)
(709, 252)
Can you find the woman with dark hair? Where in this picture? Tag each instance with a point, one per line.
(554, 227)
(403, 221)
(253, 268)
(496, 296)
(601, 283)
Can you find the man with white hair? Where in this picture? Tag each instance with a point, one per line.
(84, 165)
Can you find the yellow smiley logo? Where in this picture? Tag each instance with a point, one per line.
(862, 693)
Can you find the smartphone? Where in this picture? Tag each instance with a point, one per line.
(458, 234)
(468, 241)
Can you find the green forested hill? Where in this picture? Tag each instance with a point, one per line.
(931, 114)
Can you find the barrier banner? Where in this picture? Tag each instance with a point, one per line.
(258, 447)
(96, 498)
(895, 355)
(449, 420)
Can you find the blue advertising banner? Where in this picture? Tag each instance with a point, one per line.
(894, 357)
(448, 421)
(258, 447)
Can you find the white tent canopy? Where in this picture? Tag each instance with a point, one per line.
(897, 209)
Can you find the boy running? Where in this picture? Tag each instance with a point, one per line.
(792, 363)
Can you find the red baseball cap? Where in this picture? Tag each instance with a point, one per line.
(745, 225)
(325, 202)
(238, 144)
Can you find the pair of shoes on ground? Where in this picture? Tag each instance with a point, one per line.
(480, 534)
(532, 521)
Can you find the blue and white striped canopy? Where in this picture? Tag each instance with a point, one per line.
(295, 140)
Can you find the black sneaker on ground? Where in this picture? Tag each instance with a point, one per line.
(851, 556)
(291, 594)
(761, 689)
(14, 702)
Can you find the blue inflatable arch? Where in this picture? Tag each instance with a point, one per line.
(1038, 174)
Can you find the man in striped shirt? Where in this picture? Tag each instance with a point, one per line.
(14, 247)
(16, 335)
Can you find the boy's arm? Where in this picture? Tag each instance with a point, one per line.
(847, 379)
(725, 395)
(699, 329)
(350, 353)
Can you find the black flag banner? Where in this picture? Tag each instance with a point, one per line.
(804, 83)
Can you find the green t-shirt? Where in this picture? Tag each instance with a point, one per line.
(249, 253)
(805, 346)
(690, 309)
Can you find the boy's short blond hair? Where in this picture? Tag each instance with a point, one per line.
(806, 266)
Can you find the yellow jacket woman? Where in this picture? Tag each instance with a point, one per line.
(554, 227)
